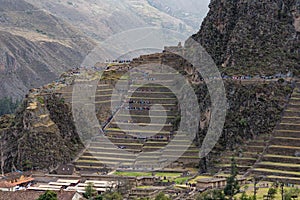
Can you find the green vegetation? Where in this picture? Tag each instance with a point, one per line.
(162, 196)
(27, 165)
(197, 178)
(168, 175)
(8, 106)
(41, 32)
(232, 187)
(182, 180)
(90, 192)
(48, 195)
(290, 193)
(136, 174)
(111, 196)
(41, 100)
(271, 193)
(211, 195)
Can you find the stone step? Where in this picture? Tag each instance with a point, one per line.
(125, 145)
(293, 107)
(111, 150)
(283, 150)
(131, 126)
(256, 149)
(287, 133)
(281, 158)
(291, 120)
(292, 113)
(291, 141)
(278, 166)
(283, 179)
(294, 101)
(289, 126)
(274, 172)
(95, 155)
(149, 95)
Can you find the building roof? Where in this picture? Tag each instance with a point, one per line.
(66, 169)
(15, 175)
(6, 184)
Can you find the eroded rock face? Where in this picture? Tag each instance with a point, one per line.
(41, 136)
(252, 36)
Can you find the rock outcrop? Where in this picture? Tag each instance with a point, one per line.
(254, 37)
(42, 134)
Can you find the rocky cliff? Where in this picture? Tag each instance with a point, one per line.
(254, 37)
(42, 134)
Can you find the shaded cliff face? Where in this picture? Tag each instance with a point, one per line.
(255, 37)
(35, 47)
(42, 135)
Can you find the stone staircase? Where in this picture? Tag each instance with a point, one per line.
(281, 159)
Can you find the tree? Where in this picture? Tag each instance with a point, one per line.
(271, 193)
(292, 192)
(162, 196)
(232, 186)
(8, 106)
(211, 195)
(48, 195)
(90, 192)
(112, 196)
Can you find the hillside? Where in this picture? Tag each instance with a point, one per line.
(103, 18)
(41, 39)
(191, 12)
(48, 111)
(252, 37)
(35, 48)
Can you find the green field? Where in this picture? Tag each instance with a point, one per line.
(136, 174)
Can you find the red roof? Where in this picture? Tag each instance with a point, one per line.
(5, 184)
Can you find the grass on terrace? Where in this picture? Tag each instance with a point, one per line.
(260, 192)
(135, 174)
(280, 164)
(280, 156)
(169, 176)
(287, 138)
(197, 178)
(284, 147)
(277, 171)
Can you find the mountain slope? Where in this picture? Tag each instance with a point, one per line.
(35, 47)
(103, 18)
(191, 12)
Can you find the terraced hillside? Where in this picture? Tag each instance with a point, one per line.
(272, 156)
(281, 159)
(246, 155)
(139, 140)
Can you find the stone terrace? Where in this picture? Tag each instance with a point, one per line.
(281, 159)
